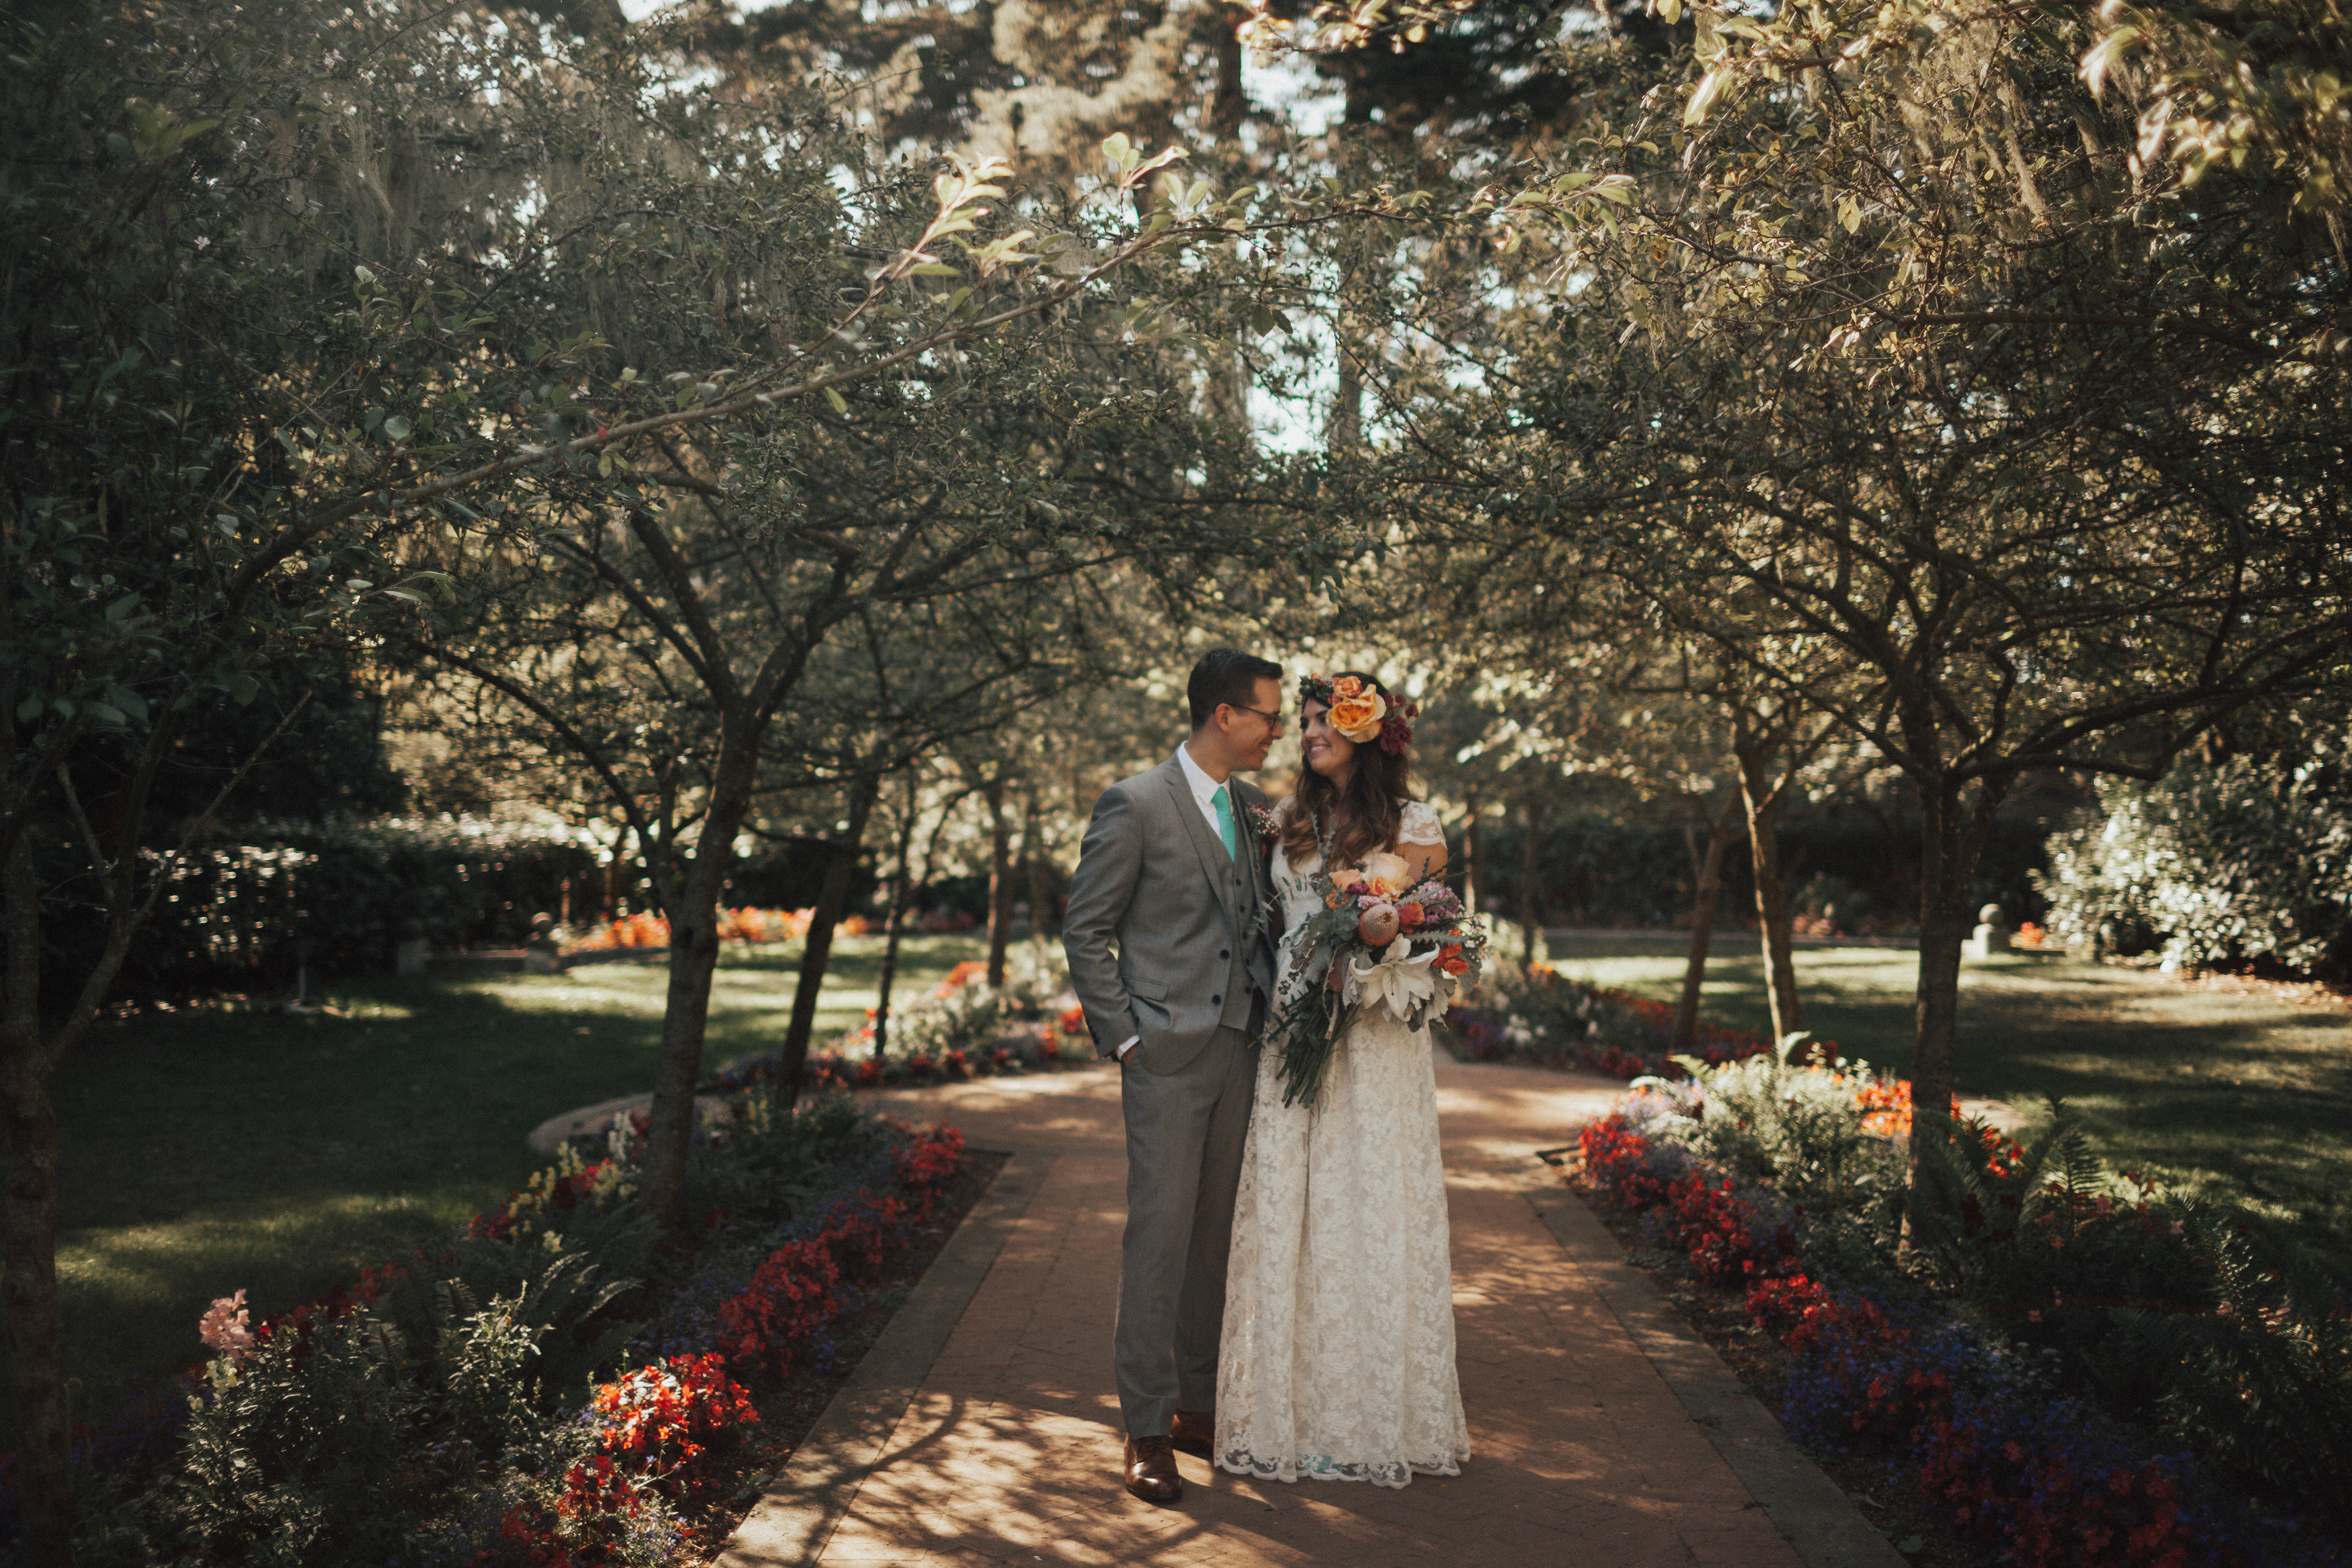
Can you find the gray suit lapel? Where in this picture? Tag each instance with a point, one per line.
(1215, 864)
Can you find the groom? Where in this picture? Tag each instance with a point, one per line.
(1172, 875)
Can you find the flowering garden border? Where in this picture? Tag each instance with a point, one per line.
(1994, 1449)
(673, 1427)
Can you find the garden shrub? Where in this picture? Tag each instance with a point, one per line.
(672, 1427)
(2263, 1378)
(1801, 1129)
(963, 1029)
(2215, 865)
(346, 888)
(292, 1448)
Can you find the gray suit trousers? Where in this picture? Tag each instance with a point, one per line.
(1184, 1135)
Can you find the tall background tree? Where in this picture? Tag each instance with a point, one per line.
(1869, 344)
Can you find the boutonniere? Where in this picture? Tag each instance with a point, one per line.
(1268, 829)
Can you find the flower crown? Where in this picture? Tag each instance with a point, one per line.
(1361, 708)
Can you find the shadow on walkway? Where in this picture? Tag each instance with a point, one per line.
(1008, 1445)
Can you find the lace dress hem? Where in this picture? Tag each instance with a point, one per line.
(1393, 1473)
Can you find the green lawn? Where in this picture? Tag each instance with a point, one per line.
(2249, 1095)
(211, 1149)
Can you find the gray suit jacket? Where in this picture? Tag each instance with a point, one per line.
(1154, 883)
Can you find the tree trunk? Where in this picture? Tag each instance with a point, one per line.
(1530, 903)
(1952, 832)
(1345, 430)
(893, 924)
(686, 1015)
(1000, 884)
(36, 1356)
(1226, 101)
(691, 903)
(1703, 913)
(818, 950)
(1470, 852)
(1764, 800)
(1033, 857)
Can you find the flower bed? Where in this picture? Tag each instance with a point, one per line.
(2075, 1368)
(964, 1029)
(746, 925)
(533, 1390)
(1548, 1020)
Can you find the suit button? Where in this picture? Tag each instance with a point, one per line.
(1225, 955)
(1216, 1001)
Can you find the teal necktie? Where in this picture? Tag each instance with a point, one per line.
(1225, 821)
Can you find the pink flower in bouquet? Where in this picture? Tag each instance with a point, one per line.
(1408, 916)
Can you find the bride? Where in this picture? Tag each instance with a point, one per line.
(1337, 1358)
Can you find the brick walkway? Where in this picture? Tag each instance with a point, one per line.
(1583, 1452)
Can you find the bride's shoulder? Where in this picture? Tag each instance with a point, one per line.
(1417, 823)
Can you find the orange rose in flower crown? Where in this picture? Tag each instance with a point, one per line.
(1355, 711)
(1360, 711)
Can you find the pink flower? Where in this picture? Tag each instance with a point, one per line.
(227, 1328)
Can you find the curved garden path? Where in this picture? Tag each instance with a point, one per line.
(983, 1427)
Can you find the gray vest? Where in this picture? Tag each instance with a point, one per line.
(1240, 900)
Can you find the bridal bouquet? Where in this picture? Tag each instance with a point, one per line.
(1375, 942)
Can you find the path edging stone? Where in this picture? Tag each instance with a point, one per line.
(1811, 1512)
(798, 1511)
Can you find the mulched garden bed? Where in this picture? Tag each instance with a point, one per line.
(1886, 1493)
(787, 1414)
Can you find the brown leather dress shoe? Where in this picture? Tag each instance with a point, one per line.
(1195, 1432)
(1152, 1470)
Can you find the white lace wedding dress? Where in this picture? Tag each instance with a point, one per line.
(1336, 1360)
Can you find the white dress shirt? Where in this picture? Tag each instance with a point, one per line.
(1205, 795)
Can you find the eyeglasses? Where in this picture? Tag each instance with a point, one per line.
(1273, 719)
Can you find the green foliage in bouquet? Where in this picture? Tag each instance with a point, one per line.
(1424, 925)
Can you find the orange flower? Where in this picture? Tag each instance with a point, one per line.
(1357, 716)
(1383, 875)
(1410, 916)
(1346, 686)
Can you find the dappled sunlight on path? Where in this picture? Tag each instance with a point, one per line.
(1009, 1449)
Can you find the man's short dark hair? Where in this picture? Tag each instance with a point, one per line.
(1226, 674)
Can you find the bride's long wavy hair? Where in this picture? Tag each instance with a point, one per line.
(1368, 810)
